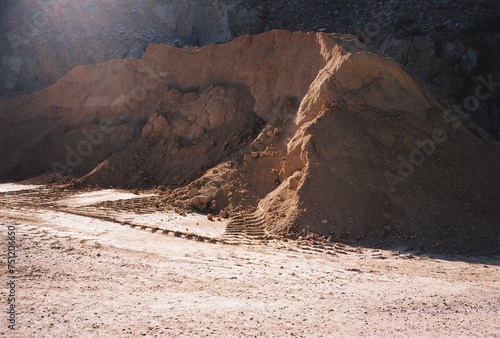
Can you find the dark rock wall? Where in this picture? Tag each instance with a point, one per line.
(41, 40)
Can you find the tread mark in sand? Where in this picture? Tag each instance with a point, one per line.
(245, 228)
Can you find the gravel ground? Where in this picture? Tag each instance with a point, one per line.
(80, 276)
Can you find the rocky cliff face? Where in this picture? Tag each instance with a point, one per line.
(313, 131)
(40, 41)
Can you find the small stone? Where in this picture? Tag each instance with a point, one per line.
(200, 201)
(174, 151)
(325, 221)
(388, 228)
(293, 183)
(210, 217)
(193, 193)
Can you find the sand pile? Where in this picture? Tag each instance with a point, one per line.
(312, 131)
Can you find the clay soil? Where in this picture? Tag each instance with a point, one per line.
(106, 264)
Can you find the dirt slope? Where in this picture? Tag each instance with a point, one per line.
(311, 130)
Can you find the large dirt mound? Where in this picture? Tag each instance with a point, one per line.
(311, 130)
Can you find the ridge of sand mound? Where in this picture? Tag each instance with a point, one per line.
(311, 130)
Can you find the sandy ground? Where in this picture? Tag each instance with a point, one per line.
(81, 274)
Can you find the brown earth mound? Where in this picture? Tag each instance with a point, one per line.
(312, 131)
